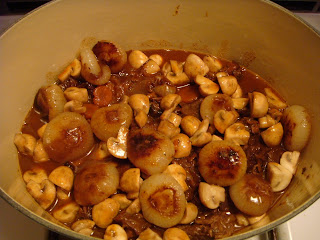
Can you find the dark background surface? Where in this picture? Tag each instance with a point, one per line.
(8, 7)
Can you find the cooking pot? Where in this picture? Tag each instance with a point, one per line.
(257, 34)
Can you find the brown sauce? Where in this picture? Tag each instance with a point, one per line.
(217, 223)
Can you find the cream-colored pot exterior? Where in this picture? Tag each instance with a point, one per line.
(258, 34)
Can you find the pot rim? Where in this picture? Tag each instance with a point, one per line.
(69, 233)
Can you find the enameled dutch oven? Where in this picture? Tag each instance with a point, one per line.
(258, 34)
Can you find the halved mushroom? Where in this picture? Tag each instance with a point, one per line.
(190, 213)
(115, 232)
(195, 66)
(211, 195)
(179, 174)
(137, 59)
(224, 119)
(39, 154)
(290, 160)
(279, 176)
(168, 128)
(36, 174)
(104, 212)
(122, 200)
(44, 193)
(134, 207)
(25, 143)
(131, 181)
(237, 133)
(239, 103)
(201, 136)
(182, 145)
(140, 104)
(157, 58)
(175, 234)
(73, 69)
(40, 131)
(150, 67)
(238, 93)
(148, 234)
(66, 213)
(83, 226)
(266, 121)
(228, 84)
(75, 93)
(273, 135)
(213, 63)
(258, 104)
(274, 100)
(63, 177)
(74, 106)
(206, 86)
(118, 146)
(190, 125)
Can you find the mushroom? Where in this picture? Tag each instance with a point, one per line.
(101, 152)
(190, 125)
(25, 143)
(238, 93)
(266, 121)
(62, 194)
(157, 58)
(242, 220)
(175, 119)
(63, 177)
(75, 93)
(151, 67)
(211, 195)
(279, 176)
(148, 234)
(117, 147)
(164, 89)
(273, 135)
(44, 193)
(73, 69)
(104, 212)
(258, 104)
(176, 67)
(179, 174)
(170, 101)
(178, 79)
(237, 133)
(206, 86)
(175, 233)
(131, 181)
(74, 106)
(66, 213)
(195, 66)
(39, 154)
(240, 103)
(137, 59)
(166, 68)
(201, 136)
(83, 226)
(140, 104)
(289, 160)
(255, 219)
(221, 74)
(40, 131)
(36, 174)
(168, 128)
(274, 100)
(182, 145)
(190, 213)
(228, 84)
(134, 207)
(223, 119)
(122, 200)
(115, 232)
(213, 64)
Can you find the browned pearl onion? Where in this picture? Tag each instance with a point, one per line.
(51, 100)
(95, 182)
(252, 195)
(162, 200)
(67, 137)
(150, 150)
(297, 127)
(106, 121)
(222, 163)
(213, 103)
(111, 54)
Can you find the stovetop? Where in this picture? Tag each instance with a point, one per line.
(15, 226)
